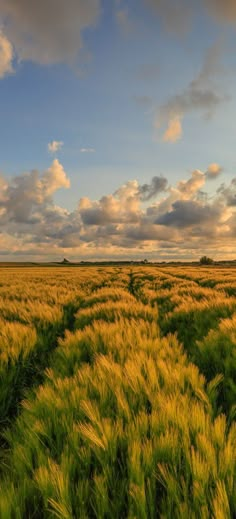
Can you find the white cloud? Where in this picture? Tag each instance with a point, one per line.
(26, 197)
(6, 56)
(55, 146)
(87, 150)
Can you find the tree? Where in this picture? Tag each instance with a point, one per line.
(65, 261)
(206, 261)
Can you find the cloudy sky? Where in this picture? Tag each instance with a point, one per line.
(118, 134)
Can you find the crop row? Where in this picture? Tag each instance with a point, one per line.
(128, 418)
(124, 425)
(203, 318)
(33, 316)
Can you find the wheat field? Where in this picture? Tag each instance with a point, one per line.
(117, 392)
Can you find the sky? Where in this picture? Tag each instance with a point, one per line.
(117, 124)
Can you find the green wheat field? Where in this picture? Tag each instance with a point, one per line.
(118, 392)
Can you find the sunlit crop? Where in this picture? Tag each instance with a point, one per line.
(118, 392)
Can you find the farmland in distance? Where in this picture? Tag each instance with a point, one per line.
(118, 392)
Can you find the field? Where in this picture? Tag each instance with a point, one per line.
(118, 392)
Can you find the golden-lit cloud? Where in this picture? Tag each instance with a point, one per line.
(55, 146)
(26, 197)
(54, 178)
(174, 130)
(6, 56)
(188, 188)
(137, 218)
(213, 170)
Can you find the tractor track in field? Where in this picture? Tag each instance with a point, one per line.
(29, 375)
(190, 328)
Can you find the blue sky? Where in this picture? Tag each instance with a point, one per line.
(135, 91)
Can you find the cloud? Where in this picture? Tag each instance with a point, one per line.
(25, 198)
(175, 16)
(47, 32)
(54, 178)
(227, 194)
(222, 10)
(185, 190)
(200, 95)
(121, 207)
(149, 232)
(87, 150)
(6, 56)
(189, 188)
(148, 191)
(186, 213)
(55, 146)
(174, 130)
(189, 100)
(213, 171)
(127, 223)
